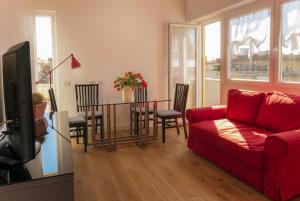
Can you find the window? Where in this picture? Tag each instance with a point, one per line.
(212, 50)
(290, 42)
(44, 51)
(249, 46)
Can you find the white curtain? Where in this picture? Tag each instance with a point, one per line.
(250, 34)
(290, 34)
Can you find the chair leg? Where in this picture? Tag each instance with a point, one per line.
(164, 130)
(177, 127)
(184, 127)
(77, 135)
(85, 138)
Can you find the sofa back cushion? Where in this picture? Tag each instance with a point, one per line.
(279, 112)
(243, 106)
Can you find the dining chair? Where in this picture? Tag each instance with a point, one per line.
(86, 95)
(178, 111)
(77, 123)
(140, 96)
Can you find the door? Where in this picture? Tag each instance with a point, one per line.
(183, 60)
(211, 63)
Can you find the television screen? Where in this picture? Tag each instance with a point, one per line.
(17, 88)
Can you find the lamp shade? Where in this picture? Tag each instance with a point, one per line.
(75, 63)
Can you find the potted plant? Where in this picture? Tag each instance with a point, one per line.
(39, 105)
(128, 83)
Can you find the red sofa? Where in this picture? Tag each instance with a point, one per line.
(255, 138)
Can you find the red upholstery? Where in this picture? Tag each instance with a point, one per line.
(207, 113)
(258, 152)
(279, 112)
(252, 176)
(282, 165)
(243, 105)
(241, 141)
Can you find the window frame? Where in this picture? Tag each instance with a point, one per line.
(202, 56)
(244, 10)
(278, 83)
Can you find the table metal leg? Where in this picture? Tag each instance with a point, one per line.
(108, 125)
(147, 123)
(102, 123)
(140, 122)
(155, 124)
(86, 129)
(93, 125)
(115, 128)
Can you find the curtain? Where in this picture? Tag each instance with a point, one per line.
(250, 34)
(290, 34)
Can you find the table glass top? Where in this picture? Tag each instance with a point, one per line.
(120, 101)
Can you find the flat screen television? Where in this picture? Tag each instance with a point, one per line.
(17, 91)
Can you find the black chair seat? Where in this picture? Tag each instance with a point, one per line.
(143, 110)
(76, 120)
(168, 114)
(97, 114)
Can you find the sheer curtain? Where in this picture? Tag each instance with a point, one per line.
(250, 32)
(249, 46)
(290, 28)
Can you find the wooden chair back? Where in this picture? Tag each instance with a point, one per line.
(181, 94)
(140, 94)
(86, 95)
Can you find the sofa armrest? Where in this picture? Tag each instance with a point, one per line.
(283, 144)
(206, 113)
(281, 165)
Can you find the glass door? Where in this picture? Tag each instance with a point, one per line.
(183, 60)
(211, 63)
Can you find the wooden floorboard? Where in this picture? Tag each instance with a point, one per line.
(160, 172)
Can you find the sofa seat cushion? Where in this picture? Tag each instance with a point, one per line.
(242, 141)
(279, 112)
(244, 105)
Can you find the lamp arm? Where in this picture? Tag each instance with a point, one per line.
(58, 65)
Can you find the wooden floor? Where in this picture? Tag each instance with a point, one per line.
(159, 172)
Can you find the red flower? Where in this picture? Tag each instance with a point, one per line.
(118, 89)
(144, 83)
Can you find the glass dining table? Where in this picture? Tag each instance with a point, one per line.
(141, 118)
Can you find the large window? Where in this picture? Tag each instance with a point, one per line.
(249, 46)
(290, 42)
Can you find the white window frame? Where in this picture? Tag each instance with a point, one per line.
(262, 4)
(278, 84)
(202, 56)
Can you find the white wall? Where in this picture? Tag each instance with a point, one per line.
(16, 27)
(110, 37)
(200, 8)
